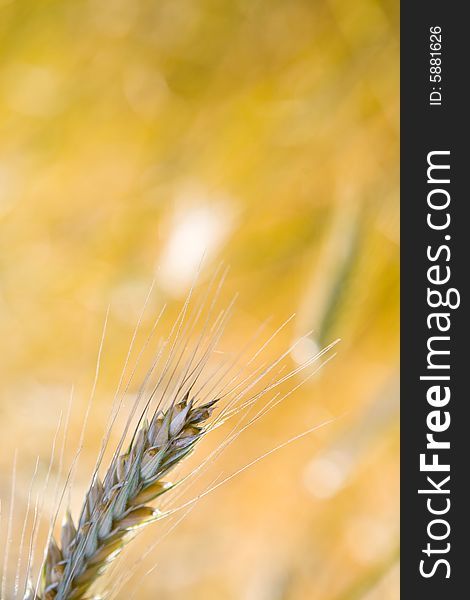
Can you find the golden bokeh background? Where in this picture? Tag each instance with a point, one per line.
(138, 135)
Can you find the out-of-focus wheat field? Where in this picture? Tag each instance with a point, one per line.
(138, 135)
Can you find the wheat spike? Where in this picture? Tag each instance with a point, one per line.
(117, 507)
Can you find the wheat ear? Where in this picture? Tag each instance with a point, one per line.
(115, 508)
(120, 504)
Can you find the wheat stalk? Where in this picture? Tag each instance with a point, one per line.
(117, 506)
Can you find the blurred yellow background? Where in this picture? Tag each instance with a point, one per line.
(135, 135)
